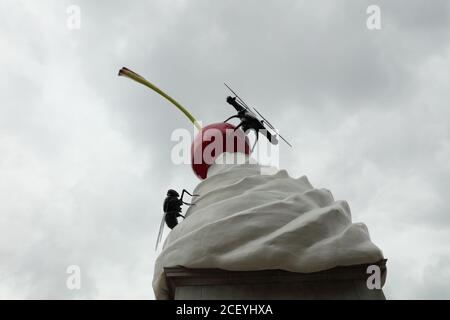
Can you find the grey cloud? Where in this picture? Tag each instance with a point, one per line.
(85, 154)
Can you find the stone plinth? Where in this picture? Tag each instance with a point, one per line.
(209, 284)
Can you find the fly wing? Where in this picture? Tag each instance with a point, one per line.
(160, 232)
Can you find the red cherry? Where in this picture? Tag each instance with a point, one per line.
(212, 141)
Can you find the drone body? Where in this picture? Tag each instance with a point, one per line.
(249, 120)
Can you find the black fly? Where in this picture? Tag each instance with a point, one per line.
(172, 210)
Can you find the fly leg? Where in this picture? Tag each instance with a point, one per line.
(185, 191)
(192, 195)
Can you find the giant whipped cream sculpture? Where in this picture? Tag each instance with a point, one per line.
(245, 220)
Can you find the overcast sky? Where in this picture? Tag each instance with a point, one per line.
(85, 155)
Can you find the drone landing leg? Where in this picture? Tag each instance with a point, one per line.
(239, 125)
(256, 140)
(235, 116)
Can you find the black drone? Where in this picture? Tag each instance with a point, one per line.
(250, 120)
(172, 208)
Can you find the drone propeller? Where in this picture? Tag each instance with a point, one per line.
(239, 98)
(272, 127)
(267, 121)
(290, 145)
(246, 107)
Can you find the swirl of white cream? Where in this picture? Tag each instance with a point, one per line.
(246, 221)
